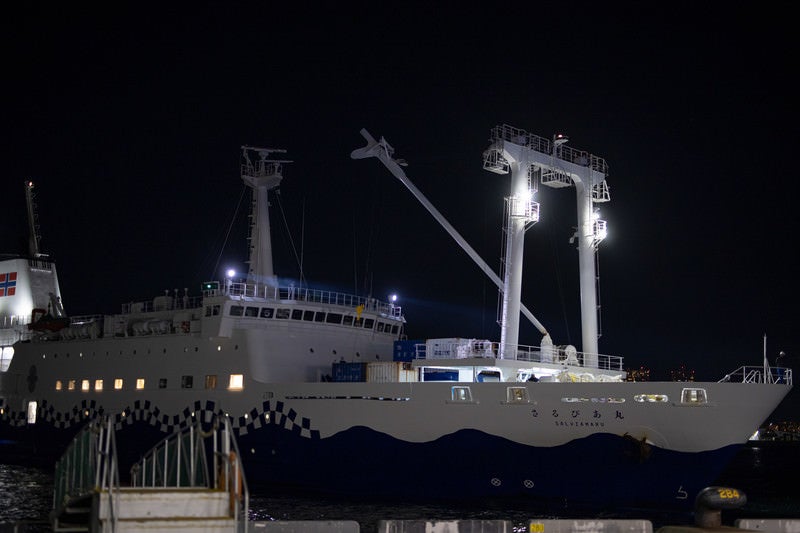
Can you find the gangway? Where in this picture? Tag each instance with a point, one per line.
(174, 486)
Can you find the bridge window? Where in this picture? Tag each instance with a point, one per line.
(297, 314)
(380, 327)
(369, 323)
(283, 314)
(333, 318)
(251, 312)
(237, 310)
(395, 329)
(267, 312)
(98, 384)
(319, 316)
(308, 316)
(85, 385)
(347, 320)
(139, 383)
(118, 384)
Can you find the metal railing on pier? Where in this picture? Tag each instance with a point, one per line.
(89, 464)
(180, 461)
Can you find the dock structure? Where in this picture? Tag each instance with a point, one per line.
(176, 486)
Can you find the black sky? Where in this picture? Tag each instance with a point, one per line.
(129, 120)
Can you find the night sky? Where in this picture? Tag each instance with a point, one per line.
(129, 122)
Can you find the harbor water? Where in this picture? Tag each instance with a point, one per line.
(767, 473)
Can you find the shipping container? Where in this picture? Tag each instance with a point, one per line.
(390, 372)
(405, 350)
(349, 372)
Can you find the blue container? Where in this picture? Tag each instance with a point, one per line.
(440, 374)
(349, 372)
(405, 350)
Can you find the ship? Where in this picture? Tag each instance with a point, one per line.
(327, 395)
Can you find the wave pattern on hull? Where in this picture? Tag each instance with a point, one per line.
(281, 449)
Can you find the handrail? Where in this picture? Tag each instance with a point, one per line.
(466, 348)
(180, 460)
(756, 374)
(89, 464)
(291, 293)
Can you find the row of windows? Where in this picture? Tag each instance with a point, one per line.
(520, 395)
(235, 382)
(133, 352)
(283, 313)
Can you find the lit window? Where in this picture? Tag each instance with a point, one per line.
(71, 384)
(58, 384)
(98, 384)
(84, 385)
(211, 382)
(32, 408)
(651, 398)
(517, 395)
(118, 384)
(694, 396)
(461, 394)
(139, 383)
(236, 382)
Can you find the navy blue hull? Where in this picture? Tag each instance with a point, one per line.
(599, 470)
(602, 469)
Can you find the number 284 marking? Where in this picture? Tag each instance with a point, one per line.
(728, 493)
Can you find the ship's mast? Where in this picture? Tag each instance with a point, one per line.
(261, 175)
(524, 154)
(33, 225)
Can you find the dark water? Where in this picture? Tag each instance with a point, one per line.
(768, 474)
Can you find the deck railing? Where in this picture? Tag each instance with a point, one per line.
(759, 374)
(304, 294)
(467, 348)
(267, 292)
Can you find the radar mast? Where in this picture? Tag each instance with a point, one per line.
(261, 174)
